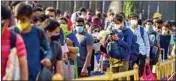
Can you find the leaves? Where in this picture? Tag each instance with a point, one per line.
(127, 7)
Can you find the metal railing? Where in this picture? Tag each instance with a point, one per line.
(111, 76)
(165, 69)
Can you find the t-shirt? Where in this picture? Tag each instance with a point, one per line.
(172, 40)
(34, 54)
(5, 50)
(85, 39)
(57, 52)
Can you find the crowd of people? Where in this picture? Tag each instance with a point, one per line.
(81, 44)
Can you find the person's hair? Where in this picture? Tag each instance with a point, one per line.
(14, 3)
(43, 17)
(159, 21)
(89, 10)
(87, 23)
(58, 12)
(79, 19)
(139, 22)
(167, 23)
(23, 9)
(99, 15)
(37, 9)
(94, 26)
(148, 20)
(133, 15)
(82, 9)
(123, 14)
(118, 17)
(51, 9)
(98, 9)
(50, 25)
(5, 12)
(104, 15)
(111, 13)
(64, 18)
(173, 23)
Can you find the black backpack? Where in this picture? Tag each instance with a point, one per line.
(12, 39)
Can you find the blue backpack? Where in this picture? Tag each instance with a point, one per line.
(114, 50)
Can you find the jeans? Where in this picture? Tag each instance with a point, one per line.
(141, 63)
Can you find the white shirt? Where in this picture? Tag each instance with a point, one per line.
(144, 46)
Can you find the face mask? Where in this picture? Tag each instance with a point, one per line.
(55, 37)
(64, 27)
(117, 26)
(95, 34)
(79, 29)
(133, 22)
(149, 28)
(164, 32)
(23, 26)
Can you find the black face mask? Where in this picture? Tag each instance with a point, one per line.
(55, 37)
(79, 13)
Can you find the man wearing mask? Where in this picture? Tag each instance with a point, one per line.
(86, 43)
(154, 42)
(166, 40)
(142, 40)
(34, 39)
(125, 36)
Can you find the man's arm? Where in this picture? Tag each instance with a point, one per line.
(123, 44)
(23, 68)
(59, 67)
(171, 44)
(21, 51)
(89, 44)
(46, 46)
(47, 49)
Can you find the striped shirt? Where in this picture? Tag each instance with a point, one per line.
(5, 49)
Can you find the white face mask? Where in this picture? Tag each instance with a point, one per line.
(133, 22)
(117, 26)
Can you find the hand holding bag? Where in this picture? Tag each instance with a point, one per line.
(150, 76)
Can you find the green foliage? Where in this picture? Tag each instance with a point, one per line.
(127, 7)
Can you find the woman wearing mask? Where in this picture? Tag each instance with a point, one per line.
(72, 43)
(55, 38)
(166, 39)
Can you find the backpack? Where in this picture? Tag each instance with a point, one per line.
(40, 35)
(142, 33)
(12, 71)
(116, 51)
(12, 39)
(39, 31)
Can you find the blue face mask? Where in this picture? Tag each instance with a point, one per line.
(79, 29)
